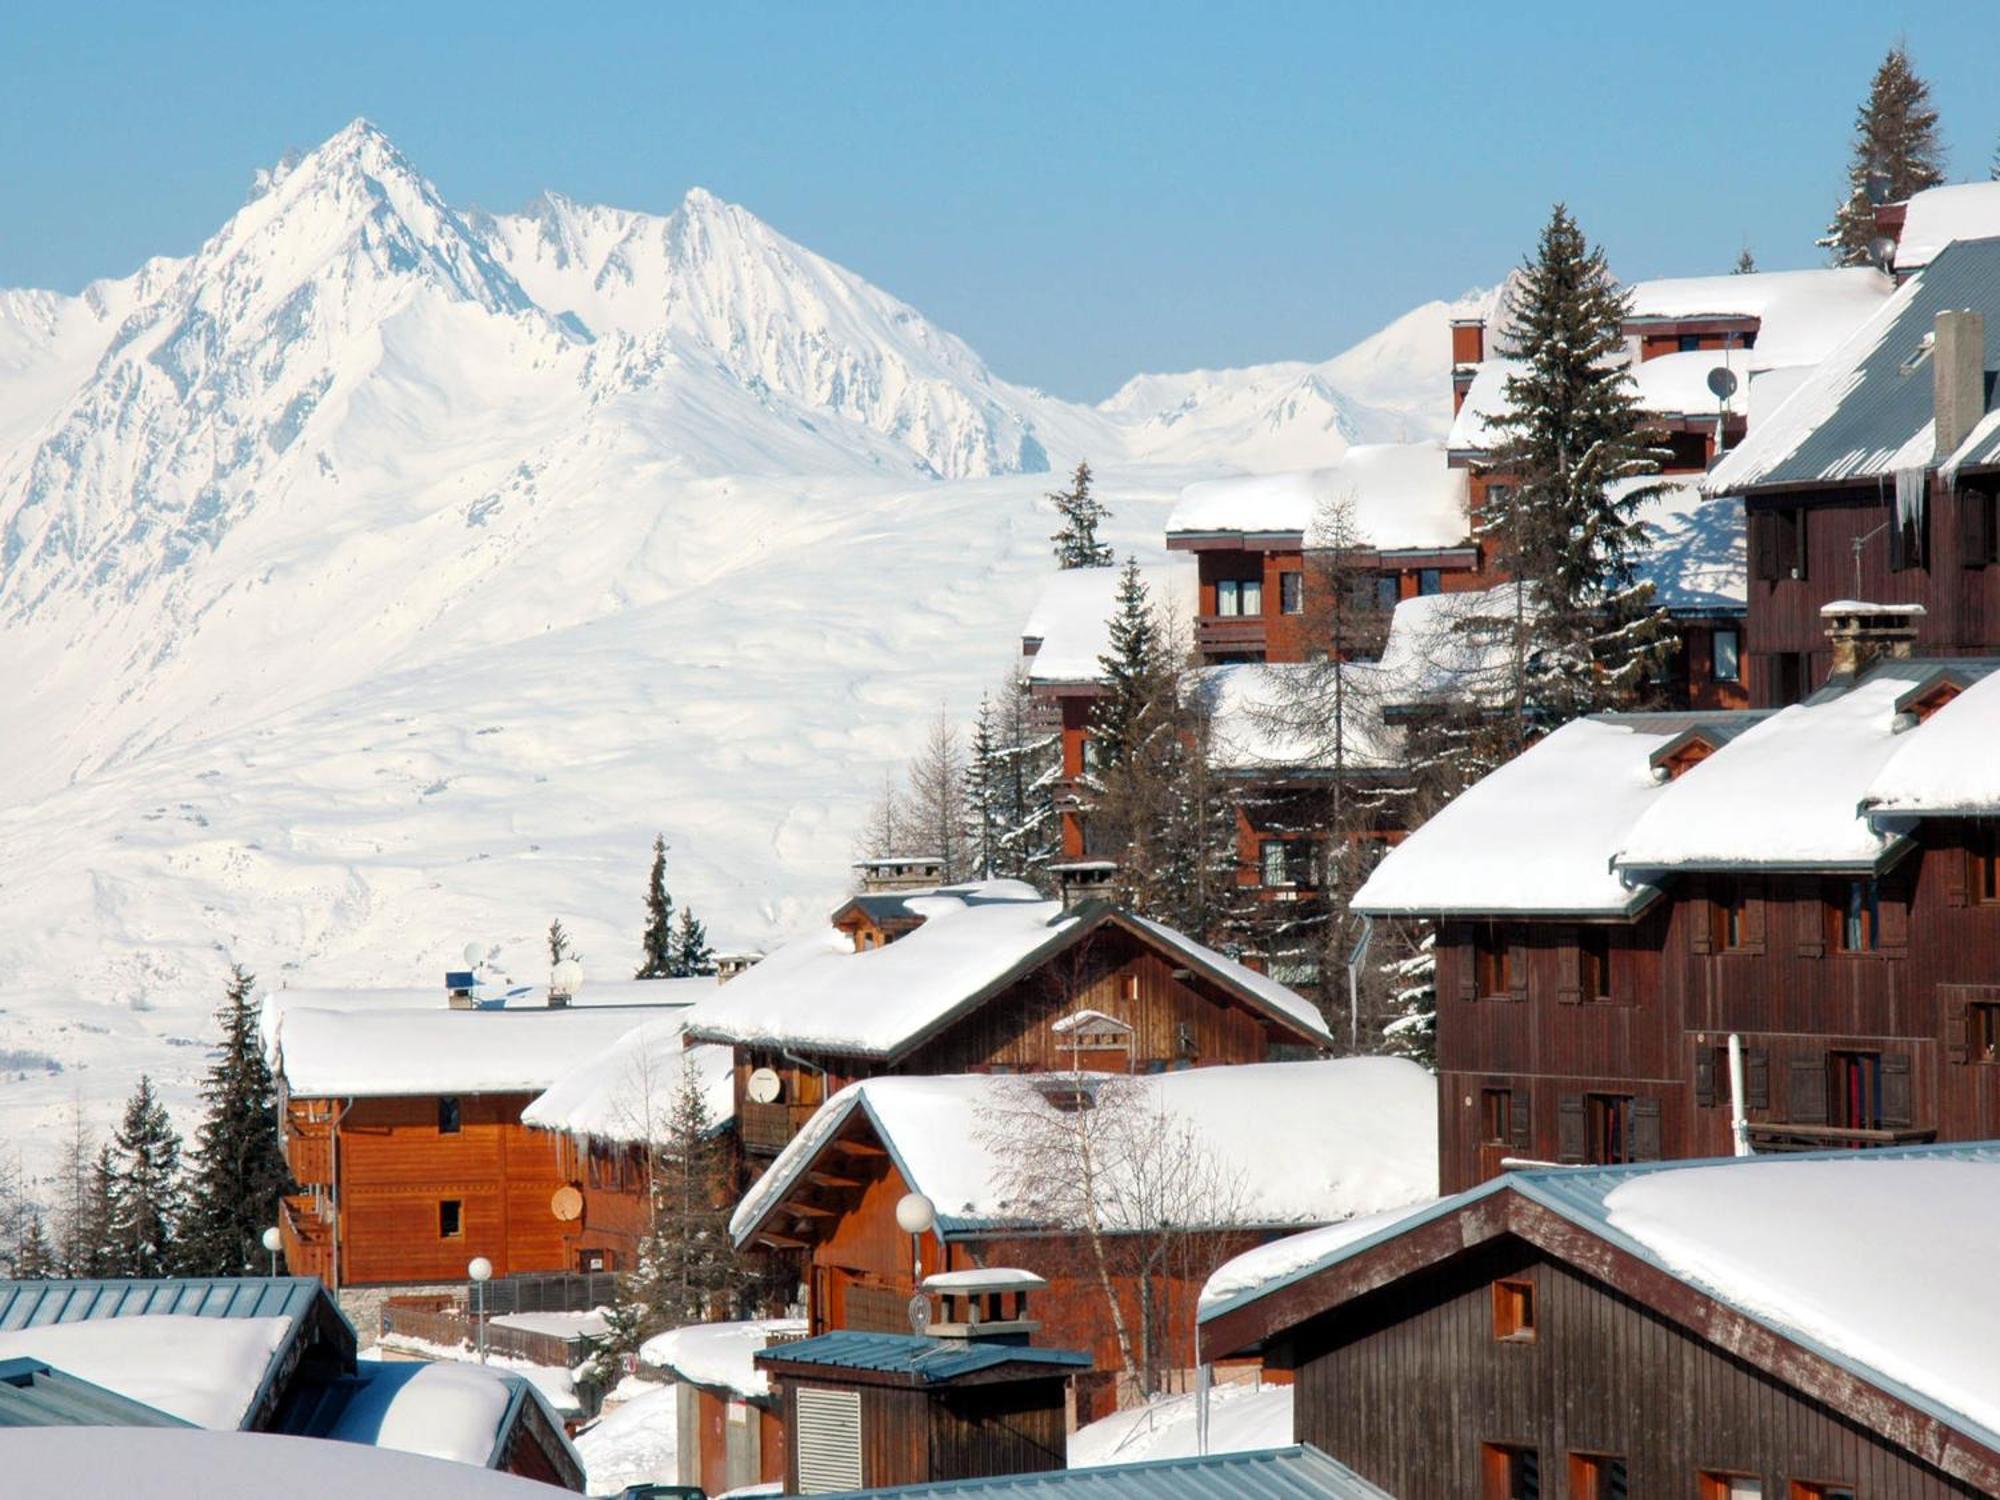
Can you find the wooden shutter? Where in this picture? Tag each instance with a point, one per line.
(1517, 966)
(1975, 528)
(1805, 1093)
(1764, 545)
(829, 1440)
(1569, 966)
(1957, 1026)
(1756, 1078)
(1958, 871)
(1892, 919)
(1645, 1129)
(1702, 909)
(1704, 1076)
(1520, 1119)
(1898, 1105)
(1572, 1130)
(1460, 943)
(1754, 917)
(1812, 922)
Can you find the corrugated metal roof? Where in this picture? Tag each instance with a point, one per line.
(1298, 1473)
(33, 1394)
(934, 1360)
(30, 1304)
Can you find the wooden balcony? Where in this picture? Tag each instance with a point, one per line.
(1229, 635)
(305, 1225)
(1772, 1137)
(766, 1129)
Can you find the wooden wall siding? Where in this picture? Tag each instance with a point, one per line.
(1962, 603)
(1406, 1384)
(1790, 1000)
(395, 1168)
(909, 1436)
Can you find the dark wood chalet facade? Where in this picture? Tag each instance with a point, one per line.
(1511, 1344)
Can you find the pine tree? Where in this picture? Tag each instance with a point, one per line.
(1587, 634)
(658, 941)
(693, 958)
(1135, 672)
(1896, 144)
(1030, 754)
(1746, 263)
(1076, 544)
(559, 948)
(240, 1173)
(147, 1198)
(984, 789)
(34, 1259)
(97, 1251)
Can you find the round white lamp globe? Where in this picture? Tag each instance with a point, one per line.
(915, 1213)
(273, 1241)
(567, 976)
(479, 1268)
(472, 955)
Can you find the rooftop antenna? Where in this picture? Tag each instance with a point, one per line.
(1859, 543)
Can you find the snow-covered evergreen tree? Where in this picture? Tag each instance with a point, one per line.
(1135, 672)
(559, 941)
(1895, 143)
(1411, 975)
(1030, 751)
(1076, 544)
(34, 1258)
(693, 957)
(984, 790)
(1587, 634)
(1746, 263)
(657, 943)
(239, 1170)
(147, 1202)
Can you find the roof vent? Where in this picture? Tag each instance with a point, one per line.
(1081, 879)
(900, 872)
(989, 1304)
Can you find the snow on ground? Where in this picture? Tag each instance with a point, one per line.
(1874, 1259)
(147, 1462)
(719, 1354)
(1240, 1418)
(562, 1325)
(637, 1440)
(202, 1370)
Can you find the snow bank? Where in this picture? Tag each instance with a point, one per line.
(1402, 495)
(1785, 792)
(626, 1092)
(636, 1441)
(203, 1370)
(1371, 1122)
(562, 1325)
(1267, 1265)
(1536, 836)
(719, 1354)
(1241, 1418)
(1937, 216)
(154, 1461)
(1873, 1261)
(375, 1054)
(1949, 764)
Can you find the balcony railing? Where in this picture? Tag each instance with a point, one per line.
(769, 1128)
(1770, 1136)
(1229, 634)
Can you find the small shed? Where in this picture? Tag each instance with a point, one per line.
(873, 1409)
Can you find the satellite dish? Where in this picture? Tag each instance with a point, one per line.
(566, 1203)
(1722, 383)
(920, 1314)
(1882, 250)
(472, 953)
(764, 1086)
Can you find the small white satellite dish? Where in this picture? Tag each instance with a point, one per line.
(1722, 383)
(920, 1315)
(764, 1086)
(472, 952)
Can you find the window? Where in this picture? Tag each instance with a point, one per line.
(1720, 1486)
(1239, 596)
(1593, 963)
(1982, 1033)
(1854, 917)
(1429, 581)
(447, 1116)
(1496, 1116)
(1596, 1476)
(1610, 1121)
(1688, 343)
(1814, 1490)
(1131, 987)
(1492, 966)
(1978, 527)
(593, 1260)
(1854, 1090)
(1388, 589)
(1292, 593)
(1729, 913)
(1514, 1310)
(1273, 852)
(1778, 544)
(450, 1224)
(1983, 873)
(1728, 653)
(1510, 1473)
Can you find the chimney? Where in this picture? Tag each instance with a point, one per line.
(900, 872)
(1080, 880)
(1958, 377)
(1863, 634)
(729, 965)
(988, 1305)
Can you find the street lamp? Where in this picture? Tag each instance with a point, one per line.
(274, 1241)
(480, 1269)
(914, 1214)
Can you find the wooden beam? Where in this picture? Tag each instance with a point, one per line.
(859, 1148)
(811, 1211)
(779, 1241)
(827, 1179)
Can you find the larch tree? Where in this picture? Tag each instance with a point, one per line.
(883, 835)
(240, 1173)
(657, 942)
(96, 1251)
(1896, 152)
(72, 1198)
(34, 1257)
(1076, 543)
(148, 1203)
(1588, 636)
(938, 820)
(693, 957)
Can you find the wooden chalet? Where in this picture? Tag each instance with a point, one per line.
(1880, 480)
(1630, 894)
(403, 1131)
(976, 978)
(1787, 1328)
(260, 1354)
(1300, 1142)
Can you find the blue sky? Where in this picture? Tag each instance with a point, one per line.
(1082, 191)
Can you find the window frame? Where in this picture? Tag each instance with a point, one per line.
(1388, 591)
(1273, 861)
(1229, 598)
(449, 1108)
(1729, 910)
(1502, 1101)
(1982, 864)
(1982, 1032)
(1429, 581)
(1291, 592)
(1492, 958)
(1593, 964)
(1589, 1478)
(1514, 1310)
(1735, 638)
(1500, 1471)
(1606, 1115)
(455, 1217)
(1855, 918)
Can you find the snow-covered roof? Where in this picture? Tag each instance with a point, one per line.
(1475, 428)
(1071, 617)
(1935, 217)
(208, 1371)
(1866, 409)
(821, 994)
(1267, 715)
(1242, 1417)
(1455, 647)
(718, 1354)
(1698, 555)
(1401, 494)
(441, 1409)
(1786, 793)
(1950, 764)
(1802, 315)
(1535, 837)
(625, 1093)
(502, 995)
(1371, 1122)
(1870, 1275)
(378, 1054)
(1676, 385)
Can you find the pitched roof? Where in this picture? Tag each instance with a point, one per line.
(32, 1394)
(1950, 766)
(1865, 411)
(1937, 216)
(1403, 495)
(1372, 1122)
(927, 1361)
(625, 1093)
(1296, 1473)
(1869, 1276)
(819, 993)
(1071, 617)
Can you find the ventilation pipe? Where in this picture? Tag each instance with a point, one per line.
(1739, 1124)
